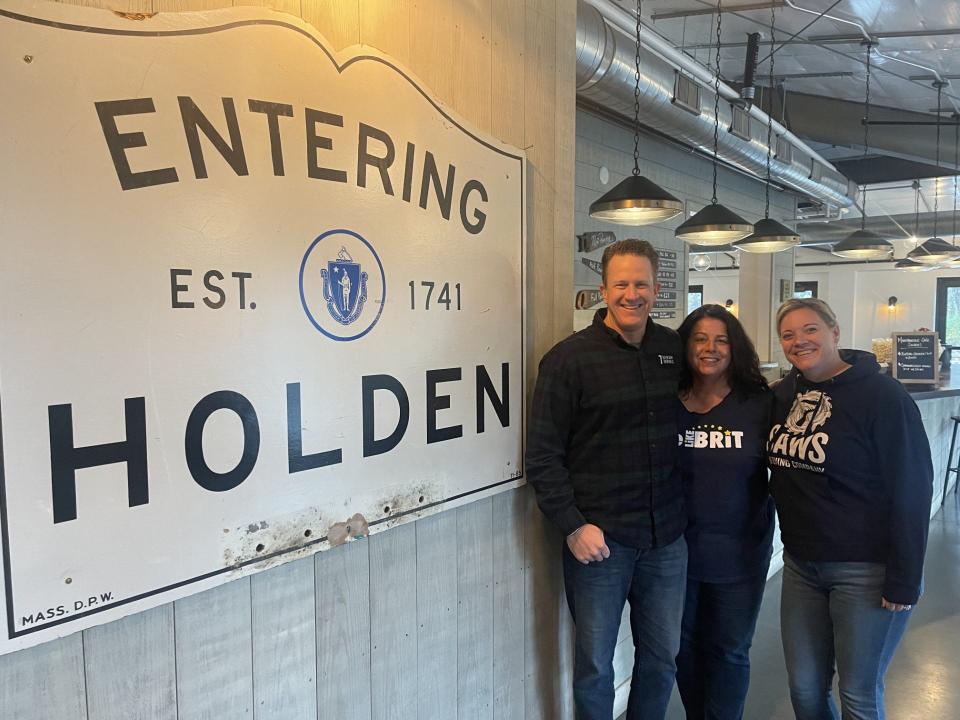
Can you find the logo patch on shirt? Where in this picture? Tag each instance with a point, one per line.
(711, 436)
(810, 410)
(795, 444)
(667, 359)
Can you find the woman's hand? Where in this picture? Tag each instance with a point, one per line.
(894, 607)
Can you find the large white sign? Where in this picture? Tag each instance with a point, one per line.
(257, 298)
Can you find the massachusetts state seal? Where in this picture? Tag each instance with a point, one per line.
(342, 285)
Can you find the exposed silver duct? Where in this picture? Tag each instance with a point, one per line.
(606, 48)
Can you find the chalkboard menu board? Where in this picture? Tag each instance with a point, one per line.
(915, 357)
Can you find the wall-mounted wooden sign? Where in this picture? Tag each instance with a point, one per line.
(590, 241)
(915, 359)
(257, 298)
(594, 265)
(587, 299)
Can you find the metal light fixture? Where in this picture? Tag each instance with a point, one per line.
(935, 250)
(955, 264)
(908, 265)
(636, 200)
(769, 236)
(726, 249)
(714, 224)
(863, 244)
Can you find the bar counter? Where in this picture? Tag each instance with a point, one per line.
(949, 386)
(937, 404)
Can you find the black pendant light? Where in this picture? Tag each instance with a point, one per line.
(636, 200)
(863, 244)
(769, 236)
(714, 224)
(955, 264)
(906, 263)
(935, 250)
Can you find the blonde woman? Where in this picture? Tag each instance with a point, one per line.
(852, 479)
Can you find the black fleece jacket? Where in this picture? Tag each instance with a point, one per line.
(851, 472)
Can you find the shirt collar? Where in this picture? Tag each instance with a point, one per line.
(598, 322)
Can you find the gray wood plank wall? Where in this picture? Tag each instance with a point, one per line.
(458, 615)
(455, 615)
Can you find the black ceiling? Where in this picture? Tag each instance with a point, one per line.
(884, 168)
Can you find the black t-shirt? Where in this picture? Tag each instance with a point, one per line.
(724, 468)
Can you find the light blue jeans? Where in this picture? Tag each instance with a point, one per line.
(653, 582)
(831, 618)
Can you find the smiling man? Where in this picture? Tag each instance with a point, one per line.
(601, 457)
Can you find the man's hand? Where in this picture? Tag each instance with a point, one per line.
(587, 544)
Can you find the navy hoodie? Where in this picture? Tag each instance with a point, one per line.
(851, 472)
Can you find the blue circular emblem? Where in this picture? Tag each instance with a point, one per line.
(342, 285)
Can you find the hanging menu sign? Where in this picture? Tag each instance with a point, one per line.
(915, 358)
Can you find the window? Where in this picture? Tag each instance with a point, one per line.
(694, 297)
(805, 289)
(948, 310)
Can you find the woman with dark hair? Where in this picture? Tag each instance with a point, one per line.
(724, 421)
(853, 479)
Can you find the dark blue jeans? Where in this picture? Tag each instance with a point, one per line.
(830, 617)
(713, 667)
(653, 582)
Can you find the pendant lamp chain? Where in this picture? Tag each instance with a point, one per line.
(863, 244)
(716, 104)
(866, 136)
(956, 169)
(636, 99)
(936, 194)
(936, 251)
(916, 212)
(714, 224)
(766, 207)
(636, 200)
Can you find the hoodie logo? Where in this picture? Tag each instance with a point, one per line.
(810, 410)
(795, 444)
(667, 360)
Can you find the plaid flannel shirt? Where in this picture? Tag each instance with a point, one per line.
(602, 445)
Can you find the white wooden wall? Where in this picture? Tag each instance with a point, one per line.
(459, 615)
